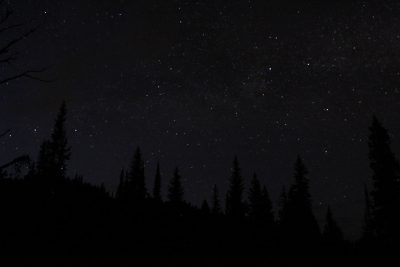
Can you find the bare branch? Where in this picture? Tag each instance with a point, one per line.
(11, 43)
(26, 74)
(25, 159)
(5, 133)
(10, 27)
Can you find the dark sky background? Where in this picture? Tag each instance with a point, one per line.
(196, 82)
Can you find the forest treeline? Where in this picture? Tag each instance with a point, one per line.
(48, 218)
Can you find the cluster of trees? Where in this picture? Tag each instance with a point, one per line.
(70, 214)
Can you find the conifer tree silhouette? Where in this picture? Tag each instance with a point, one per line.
(205, 208)
(255, 200)
(234, 196)
(157, 185)
(216, 206)
(300, 217)
(54, 153)
(135, 179)
(121, 185)
(59, 143)
(266, 204)
(386, 179)
(332, 234)
(367, 234)
(282, 214)
(175, 190)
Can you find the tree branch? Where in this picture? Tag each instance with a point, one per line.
(21, 159)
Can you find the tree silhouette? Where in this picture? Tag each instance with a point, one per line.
(135, 179)
(121, 185)
(332, 234)
(283, 205)
(367, 226)
(385, 193)
(234, 196)
(205, 208)
(59, 143)
(216, 205)
(266, 204)
(157, 185)
(54, 153)
(300, 217)
(255, 198)
(175, 190)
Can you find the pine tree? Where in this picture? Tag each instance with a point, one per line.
(282, 214)
(300, 219)
(367, 227)
(216, 206)
(332, 234)
(234, 197)
(386, 177)
(157, 185)
(54, 153)
(175, 190)
(266, 203)
(45, 166)
(59, 143)
(205, 208)
(135, 183)
(121, 186)
(255, 199)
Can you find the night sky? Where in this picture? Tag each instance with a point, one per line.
(196, 82)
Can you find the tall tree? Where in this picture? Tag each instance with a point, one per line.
(385, 177)
(266, 203)
(260, 205)
(300, 217)
(367, 227)
(216, 205)
(135, 183)
(255, 199)
(332, 233)
(283, 199)
(121, 186)
(59, 143)
(175, 190)
(157, 185)
(54, 153)
(234, 196)
(205, 208)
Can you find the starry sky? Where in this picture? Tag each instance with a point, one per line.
(196, 82)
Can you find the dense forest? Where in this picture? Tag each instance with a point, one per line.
(49, 218)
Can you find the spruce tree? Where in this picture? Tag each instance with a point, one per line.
(385, 177)
(282, 214)
(59, 143)
(54, 153)
(234, 196)
(367, 226)
(216, 206)
(175, 190)
(266, 203)
(121, 186)
(135, 183)
(332, 234)
(301, 221)
(157, 185)
(255, 199)
(205, 208)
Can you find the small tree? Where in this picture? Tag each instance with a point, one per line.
(157, 185)
(216, 206)
(234, 197)
(175, 190)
